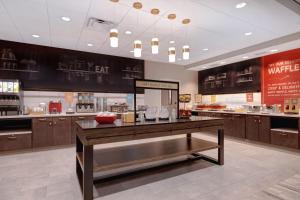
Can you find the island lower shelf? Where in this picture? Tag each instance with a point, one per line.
(129, 155)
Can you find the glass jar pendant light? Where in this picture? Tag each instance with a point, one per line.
(114, 40)
(137, 51)
(186, 52)
(155, 45)
(172, 54)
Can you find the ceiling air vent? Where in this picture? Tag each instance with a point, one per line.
(99, 24)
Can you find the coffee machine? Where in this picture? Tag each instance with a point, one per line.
(85, 103)
(11, 98)
(292, 105)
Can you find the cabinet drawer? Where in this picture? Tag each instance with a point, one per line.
(15, 141)
(284, 139)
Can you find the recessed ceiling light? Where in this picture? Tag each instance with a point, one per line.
(274, 50)
(172, 42)
(35, 36)
(241, 5)
(90, 45)
(66, 19)
(205, 49)
(248, 33)
(245, 57)
(128, 32)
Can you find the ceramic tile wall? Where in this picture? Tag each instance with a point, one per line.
(33, 98)
(233, 99)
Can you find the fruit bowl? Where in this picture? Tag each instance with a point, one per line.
(105, 118)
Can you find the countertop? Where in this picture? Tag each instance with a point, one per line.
(92, 124)
(255, 113)
(47, 115)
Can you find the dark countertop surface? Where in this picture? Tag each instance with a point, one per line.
(92, 124)
(46, 115)
(251, 113)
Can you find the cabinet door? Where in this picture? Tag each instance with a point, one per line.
(239, 126)
(252, 128)
(228, 124)
(264, 129)
(61, 130)
(42, 132)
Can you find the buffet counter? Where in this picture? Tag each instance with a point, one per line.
(279, 129)
(249, 113)
(21, 132)
(47, 115)
(90, 133)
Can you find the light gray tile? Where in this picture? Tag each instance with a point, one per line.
(249, 169)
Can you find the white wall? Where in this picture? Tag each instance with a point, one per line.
(188, 80)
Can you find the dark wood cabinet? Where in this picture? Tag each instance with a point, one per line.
(234, 125)
(228, 124)
(258, 128)
(285, 138)
(42, 131)
(239, 126)
(50, 131)
(264, 129)
(73, 120)
(61, 130)
(252, 128)
(14, 141)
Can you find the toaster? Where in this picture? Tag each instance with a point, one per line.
(55, 107)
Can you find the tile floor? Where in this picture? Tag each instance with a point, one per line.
(249, 169)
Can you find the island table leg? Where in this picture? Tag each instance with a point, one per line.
(221, 147)
(88, 180)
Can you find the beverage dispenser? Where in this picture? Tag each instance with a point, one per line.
(11, 98)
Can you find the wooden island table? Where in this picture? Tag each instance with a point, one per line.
(90, 133)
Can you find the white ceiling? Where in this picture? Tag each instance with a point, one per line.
(216, 25)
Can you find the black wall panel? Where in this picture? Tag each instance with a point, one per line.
(54, 69)
(233, 78)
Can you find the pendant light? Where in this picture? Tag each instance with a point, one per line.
(172, 50)
(114, 40)
(172, 54)
(154, 45)
(137, 44)
(137, 51)
(186, 48)
(155, 40)
(113, 35)
(186, 52)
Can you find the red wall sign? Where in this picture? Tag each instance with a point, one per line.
(249, 97)
(280, 77)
